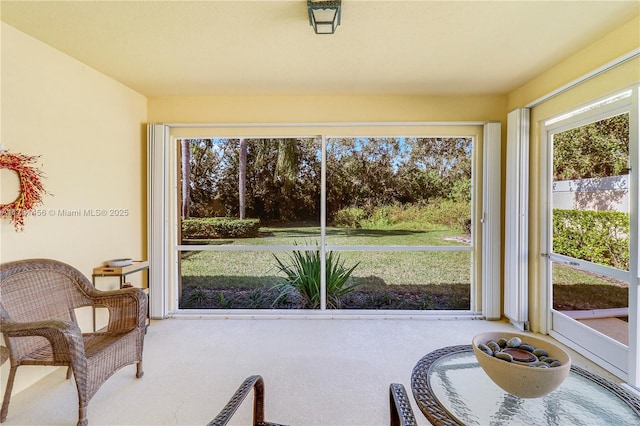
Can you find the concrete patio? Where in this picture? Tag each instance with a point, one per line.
(316, 372)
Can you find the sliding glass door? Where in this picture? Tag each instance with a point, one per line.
(352, 223)
(258, 220)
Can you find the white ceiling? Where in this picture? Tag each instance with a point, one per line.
(264, 47)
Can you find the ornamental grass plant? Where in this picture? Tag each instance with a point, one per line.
(302, 271)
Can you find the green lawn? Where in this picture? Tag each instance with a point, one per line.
(386, 280)
(579, 290)
(223, 278)
(376, 268)
(564, 275)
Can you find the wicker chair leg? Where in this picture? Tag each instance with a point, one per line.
(82, 416)
(139, 372)
(7, 394)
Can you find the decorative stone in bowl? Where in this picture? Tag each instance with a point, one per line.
(518, 370)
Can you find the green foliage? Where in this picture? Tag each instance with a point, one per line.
(205, 164)
(599, 237)
(283, 175)
(349, 217)
(452, 214)
(372, 172)
(302, 272)
(461, 191)
(421, 216)
(219, 227)
(382, 217)
(597, 149)
(197, 297)
(282, 178)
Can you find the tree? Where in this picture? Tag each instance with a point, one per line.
(282, 178)
(242, 178)
(361, 172)
(371, 172)
(443, 164)
(186, 176)
(208, 160)
(594, 150)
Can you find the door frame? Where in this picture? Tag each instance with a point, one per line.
(610, 354)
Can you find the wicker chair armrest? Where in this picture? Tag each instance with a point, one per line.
(127, 307)
(400, 406)
(253, 382)
(65, 336)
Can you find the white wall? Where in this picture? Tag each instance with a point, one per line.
(601, 194)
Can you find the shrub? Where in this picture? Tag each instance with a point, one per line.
(383, 217)
(303, 275)
(349, 217)
(599, 237)
(219, 227)
(453, 214)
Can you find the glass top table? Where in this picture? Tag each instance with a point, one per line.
(451, 388)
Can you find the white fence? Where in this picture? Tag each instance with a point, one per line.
(600, 194)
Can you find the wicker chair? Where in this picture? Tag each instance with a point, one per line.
(253, 382)
(400, 407)
(39, 325)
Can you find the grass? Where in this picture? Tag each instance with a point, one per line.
(565, 275)
(220, 279)
(376, 267)
(579, 290)
(383, 280)
(586, 297)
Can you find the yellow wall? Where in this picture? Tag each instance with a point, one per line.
(90, 133)
(614, 45)
(315, 109)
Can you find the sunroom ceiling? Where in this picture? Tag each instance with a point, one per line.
(164, 48)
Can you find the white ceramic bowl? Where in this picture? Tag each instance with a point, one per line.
(520, 379)
(119, 263)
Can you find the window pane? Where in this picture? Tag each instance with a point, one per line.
(274, 185)
(399, 191)
(591, 223)
(591, 192)
(230, 280)
(267, 182)
(409, 280)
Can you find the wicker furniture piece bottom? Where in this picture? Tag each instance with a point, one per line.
(451, 388)
(255, 383)
(40, 328)
(401, 413)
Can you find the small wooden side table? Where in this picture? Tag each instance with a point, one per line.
(107, 271)
(122, 272)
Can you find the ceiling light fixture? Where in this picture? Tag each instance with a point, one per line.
(324, 15)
